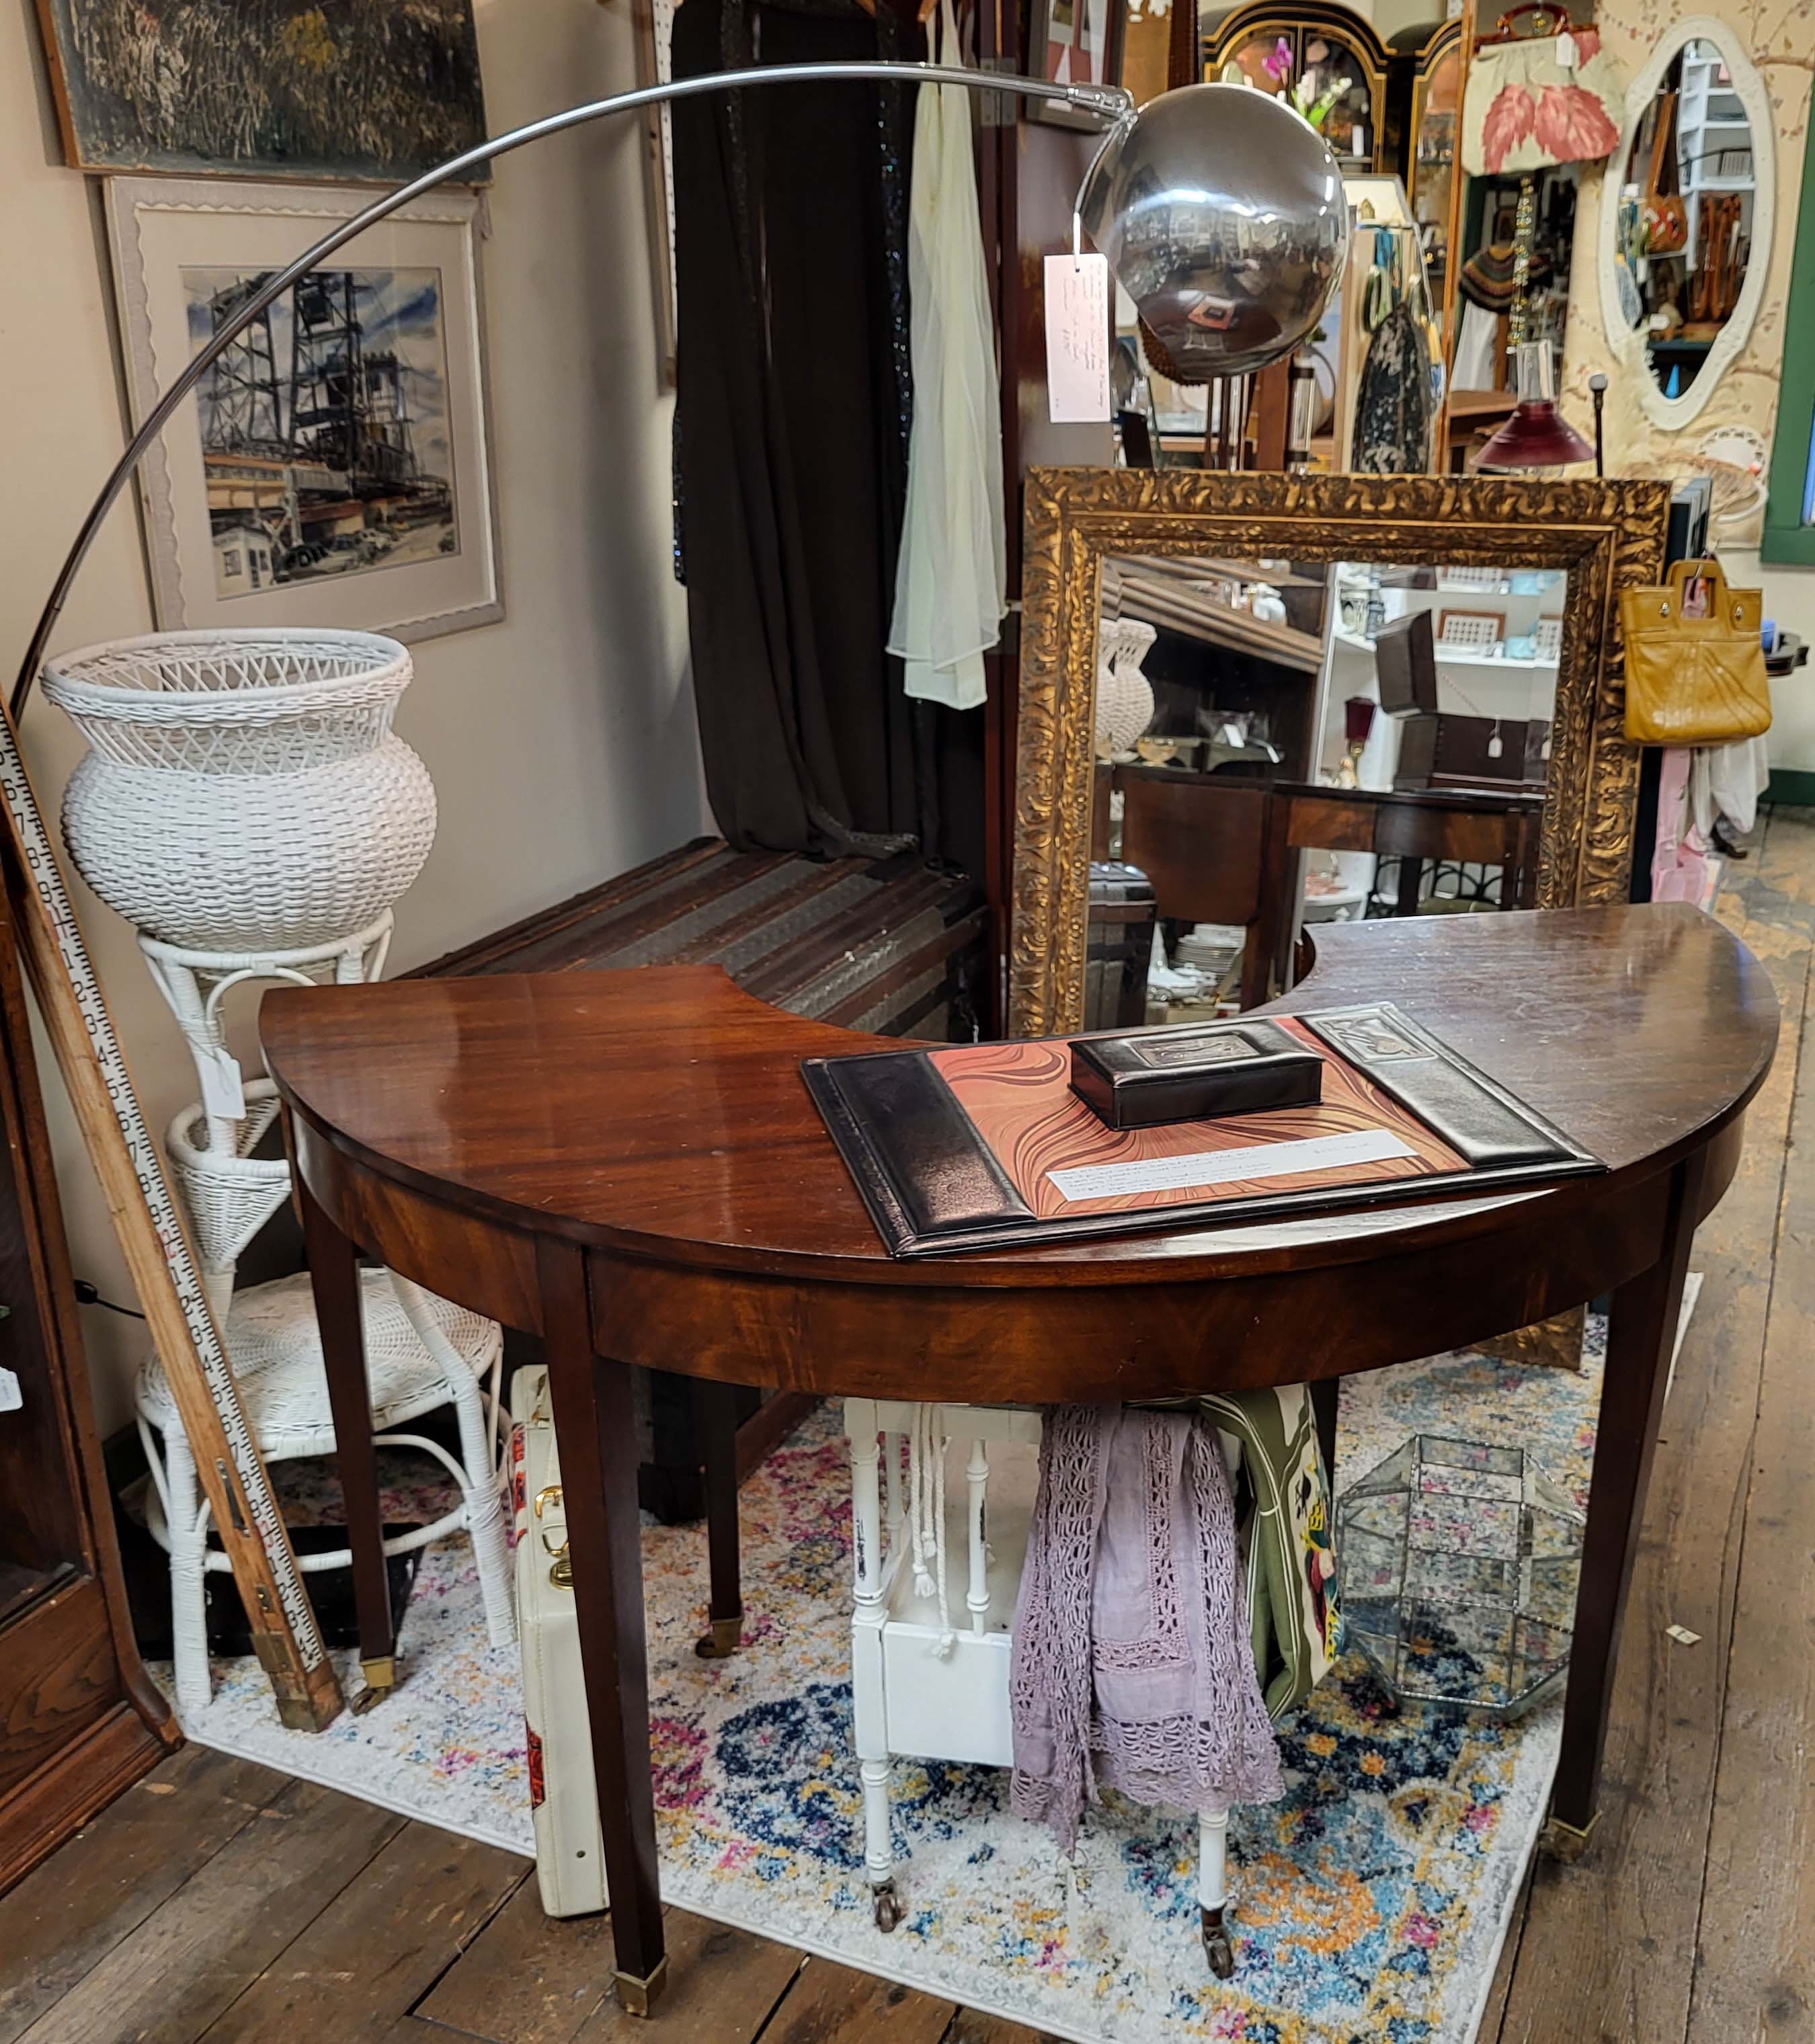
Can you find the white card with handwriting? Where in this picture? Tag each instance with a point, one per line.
(1077, 338)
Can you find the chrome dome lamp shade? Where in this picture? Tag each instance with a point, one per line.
(1222, 216)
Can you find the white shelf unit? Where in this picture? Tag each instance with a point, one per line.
(1709, 119)
(1470, 682)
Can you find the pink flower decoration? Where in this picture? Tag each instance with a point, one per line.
(1573, 126)
(1509, 122)
(1587, 45)
(1279, 66)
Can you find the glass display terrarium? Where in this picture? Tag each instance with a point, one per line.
(1458, 1566)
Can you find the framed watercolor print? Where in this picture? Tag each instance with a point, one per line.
(332, 467)
(370, 90)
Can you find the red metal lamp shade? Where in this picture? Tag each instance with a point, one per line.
(1537, 436)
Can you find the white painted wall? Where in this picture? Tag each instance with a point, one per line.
(562, 742)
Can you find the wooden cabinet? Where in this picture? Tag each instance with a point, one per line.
(1274, 47)
(1432, 131)
(79, 1719)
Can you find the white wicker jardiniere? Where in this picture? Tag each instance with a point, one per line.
(243, 790)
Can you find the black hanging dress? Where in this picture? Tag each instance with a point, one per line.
(791, 431)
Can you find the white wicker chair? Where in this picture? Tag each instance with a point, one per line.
(421, 1353)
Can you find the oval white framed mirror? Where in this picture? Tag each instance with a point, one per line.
(1675, 319)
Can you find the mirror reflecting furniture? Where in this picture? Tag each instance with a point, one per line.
(1428, 702)
(1473, 621)
(1467, 833)
(1691, 200)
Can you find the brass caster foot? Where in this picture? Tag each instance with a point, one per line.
(380, 1679)
(888, 1907)
(1217, 1947)
(1565, 1841)
(637, 1997)
(722, 1640)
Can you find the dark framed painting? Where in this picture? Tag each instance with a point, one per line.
(362, 91)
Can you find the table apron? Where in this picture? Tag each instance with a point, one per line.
(1103, 1343)
(1042, 1343)
(477, 1262)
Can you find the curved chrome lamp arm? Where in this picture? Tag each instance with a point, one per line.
(1110, 104)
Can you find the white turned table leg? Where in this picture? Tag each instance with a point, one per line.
(869, 1708)
(977, 1592)
(1213, 1890)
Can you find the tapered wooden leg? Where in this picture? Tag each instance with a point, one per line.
(334, 1276)
(715, 1415)
(1641, 1332)
(596, 1434)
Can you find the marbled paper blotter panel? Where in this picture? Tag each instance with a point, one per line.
(1063, 1161)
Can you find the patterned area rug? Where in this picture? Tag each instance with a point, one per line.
(1369, 1905)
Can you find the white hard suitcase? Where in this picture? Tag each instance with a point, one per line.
(570, 1861)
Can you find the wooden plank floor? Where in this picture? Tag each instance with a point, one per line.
(218, 1903)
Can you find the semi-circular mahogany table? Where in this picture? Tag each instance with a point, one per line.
(628, 1164)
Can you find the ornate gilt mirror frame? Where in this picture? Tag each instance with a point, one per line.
(1609, 536)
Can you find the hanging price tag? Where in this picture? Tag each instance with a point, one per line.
(1077, 339)
(10, 1397)
(1565, 51)
(222, 1090)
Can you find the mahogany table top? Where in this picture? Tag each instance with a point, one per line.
(659, 1113)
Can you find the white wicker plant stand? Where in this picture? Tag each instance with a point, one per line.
(243, 790)
(245, 804)
(920, 1684)
(196, 984)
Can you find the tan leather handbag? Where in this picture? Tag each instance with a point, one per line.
(1663, 216)
(1694, 680)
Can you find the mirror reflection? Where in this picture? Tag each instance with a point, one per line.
(1284, 743)
(1683, 238)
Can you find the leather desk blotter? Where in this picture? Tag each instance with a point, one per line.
(977, 1146)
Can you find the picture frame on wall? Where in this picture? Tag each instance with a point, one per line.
(334, 467)
(654, 65)
(365, 90)
(1074, 42)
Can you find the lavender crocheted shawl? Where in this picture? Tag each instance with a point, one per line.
(1133, 1665)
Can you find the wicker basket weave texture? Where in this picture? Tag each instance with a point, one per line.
(243, 790)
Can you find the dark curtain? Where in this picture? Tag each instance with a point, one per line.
(791, 428)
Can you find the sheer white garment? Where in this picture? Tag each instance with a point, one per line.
(1473, 369)
(1727, 781)
(951, 576)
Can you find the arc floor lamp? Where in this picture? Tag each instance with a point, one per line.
(1222, 214)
